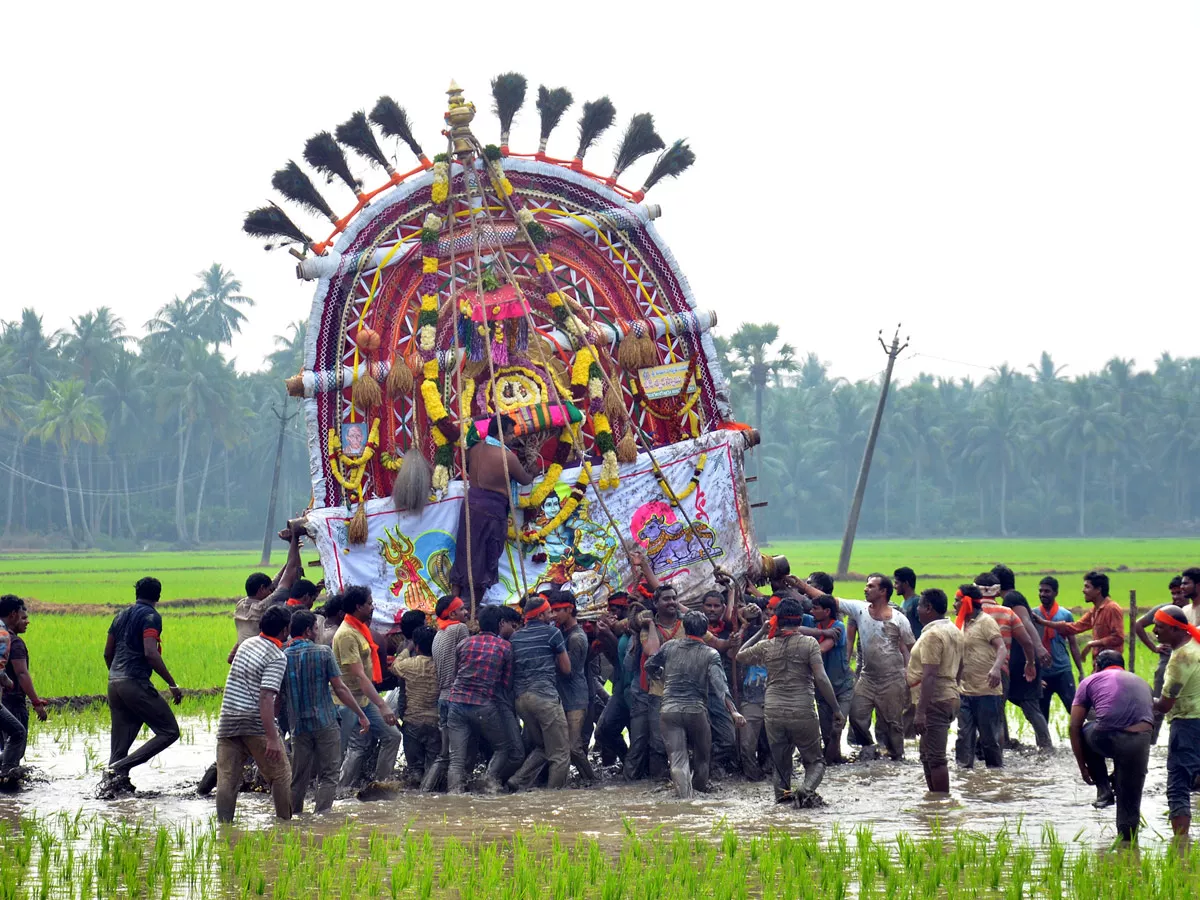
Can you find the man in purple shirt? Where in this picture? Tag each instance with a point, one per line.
(1121, 731)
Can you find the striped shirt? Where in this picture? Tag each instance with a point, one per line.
(258, 665)
(445, 656)
(1006, 619)
(310, 669)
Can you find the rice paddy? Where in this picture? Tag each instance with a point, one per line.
(1025, 831)
(76, 857)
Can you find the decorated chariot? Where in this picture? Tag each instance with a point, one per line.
(487, 282)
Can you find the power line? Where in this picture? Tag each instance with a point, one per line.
(58, 487)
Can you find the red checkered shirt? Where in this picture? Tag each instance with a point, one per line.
(484, 669)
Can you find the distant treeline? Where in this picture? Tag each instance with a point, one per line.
(107, 440)
(1022, 452)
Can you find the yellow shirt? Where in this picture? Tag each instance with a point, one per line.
(941, 645)
(1182, 681)
(350, 647)
(979, 656)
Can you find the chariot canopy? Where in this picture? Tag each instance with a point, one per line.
(486, 282)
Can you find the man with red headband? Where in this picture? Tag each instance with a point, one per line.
(981, 713)
(1123, 717)
(612, 638)
(539, 654)
(451, 614)
(690, 671)
(573, 687)
(1180, 703)
(357, 655)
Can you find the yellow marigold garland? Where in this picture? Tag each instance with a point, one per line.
(441, 183)
(567, 510)
(356, 466)
(542, 490)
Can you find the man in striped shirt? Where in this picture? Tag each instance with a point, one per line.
(248, 711)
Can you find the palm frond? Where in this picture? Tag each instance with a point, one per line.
(597, 117)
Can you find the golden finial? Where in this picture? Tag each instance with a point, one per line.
(459, 116)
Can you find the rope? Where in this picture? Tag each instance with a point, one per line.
(462, 434)
(634, 427)
(488, 345)
(576, 435)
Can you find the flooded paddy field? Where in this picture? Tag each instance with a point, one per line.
(1027, 830)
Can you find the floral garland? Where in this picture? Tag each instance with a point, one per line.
(356, 466)
(585, 371)
(565, 512)
(496, 171)
(427, 318)
(563, 317)
(674, 498)
(441, 180)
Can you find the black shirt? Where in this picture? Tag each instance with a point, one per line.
(1018, 688)
(15, 696)
(129, 628)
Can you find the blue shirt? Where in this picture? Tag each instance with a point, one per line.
(310, 669)
(909, 608)
(837, 664)
(535, 649)
(1060, 653)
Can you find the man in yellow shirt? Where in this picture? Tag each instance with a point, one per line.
(933, 668)
(1180, 702)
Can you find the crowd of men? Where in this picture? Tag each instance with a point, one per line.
(741, 686)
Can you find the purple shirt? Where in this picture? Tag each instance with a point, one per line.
(1120, 699)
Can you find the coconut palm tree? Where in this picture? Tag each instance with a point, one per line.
(173, 329)
(755, 357)
(67, 417)
(217, 301)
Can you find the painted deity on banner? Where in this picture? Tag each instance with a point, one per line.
(672, 545)
(398, 551)
(579, 553)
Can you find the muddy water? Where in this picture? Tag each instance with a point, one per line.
(890, 797)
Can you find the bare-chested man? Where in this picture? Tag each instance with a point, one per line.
(488, 500)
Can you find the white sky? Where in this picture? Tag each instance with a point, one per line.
(1001, 178)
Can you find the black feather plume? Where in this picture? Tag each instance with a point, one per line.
(393, 122)
(640, 138)
(551, 104)
(508, 91)
(324, 155)
(298, 187)
(356, 134)
(272, 222)
(597, 116)
(673, 161)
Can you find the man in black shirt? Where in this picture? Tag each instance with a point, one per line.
(133, 651)
(16, 620)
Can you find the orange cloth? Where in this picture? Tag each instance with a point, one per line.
(376, 668)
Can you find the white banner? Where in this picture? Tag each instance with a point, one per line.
(407, 558)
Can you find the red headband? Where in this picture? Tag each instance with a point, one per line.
(772, 603)
(964, 610)
(455, 604)
(562, 604)
(1163, 618)
(531, 613)
(618, 601)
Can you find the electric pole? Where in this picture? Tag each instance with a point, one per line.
(860, 488)
(269, 533)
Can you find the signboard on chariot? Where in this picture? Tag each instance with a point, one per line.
(485, 286)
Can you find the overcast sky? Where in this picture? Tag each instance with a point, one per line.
(1002, 178)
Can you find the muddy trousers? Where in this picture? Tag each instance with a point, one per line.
(936, 737)
(1031, 708)
(724, 735)
(613, 720)
(316, 755)
(682, 731)
(359, 745)
(887, 699)
(1130, 753)
(832, 737)
(548, 739)
(486, 721)
(792, 731)
(132, 704)
(1061, 685)
(422, 744)
(14, 724)
(231, 756)
(748, 737)
(980, 718)
(647, 754)
(579, 759)
(1183, 765)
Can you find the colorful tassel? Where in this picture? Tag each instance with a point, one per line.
(365, 393)
(356, 531)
